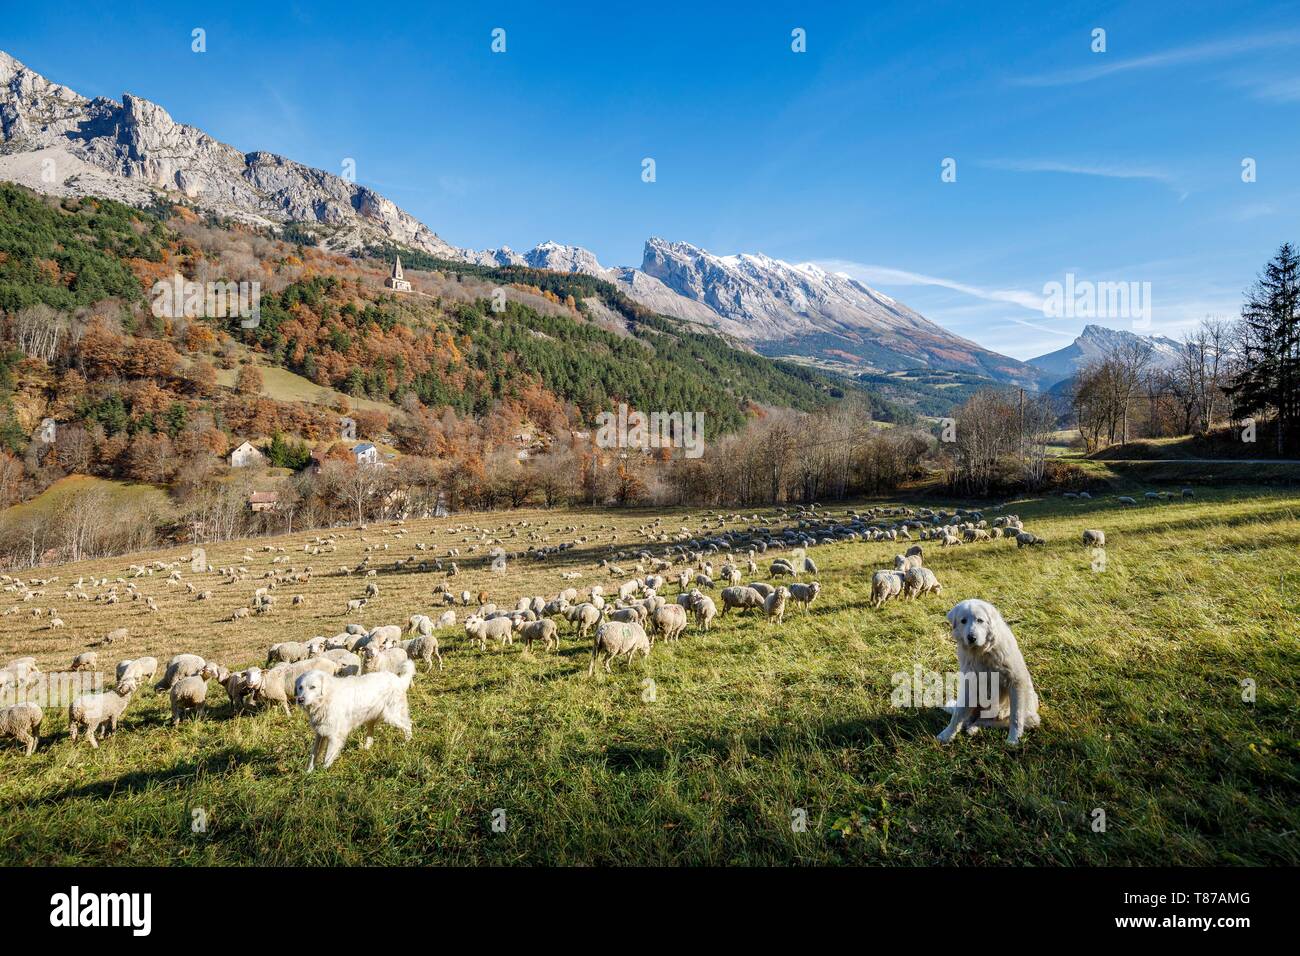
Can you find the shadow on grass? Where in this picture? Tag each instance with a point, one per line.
(864, 732)
(138, 781)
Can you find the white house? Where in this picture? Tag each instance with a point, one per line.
(365, 453)
(246, 455)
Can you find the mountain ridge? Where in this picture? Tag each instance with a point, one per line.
(57, 141)
(1093, 342)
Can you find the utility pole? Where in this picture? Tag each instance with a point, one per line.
(1022, 426)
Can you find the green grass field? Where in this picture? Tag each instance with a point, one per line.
(715, 749)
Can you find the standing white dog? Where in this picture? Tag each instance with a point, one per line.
(987, 653)
(336, 706)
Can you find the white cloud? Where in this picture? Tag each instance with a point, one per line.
(885, 275)
(1109, 65)
(1102, 170)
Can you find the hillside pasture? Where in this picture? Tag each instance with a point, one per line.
(751, 744)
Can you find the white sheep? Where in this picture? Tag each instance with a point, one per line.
(378, 658)
(617, 639)
(23, 723)
(583, 617)
(774, 604)
(670, 621)
(805, 594)
(99, 712)
(740, 597)
(1092, 537)
(498, 628)
(919, 581)
(704, 610)
(140, 670)
(85, 661)
(543, 630)
(188, 694)
(287, 652)
(182, 665)
(423, 648)
(885, 585)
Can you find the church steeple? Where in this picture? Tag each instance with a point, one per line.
(395, 281)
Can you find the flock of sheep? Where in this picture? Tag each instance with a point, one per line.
(620, 624)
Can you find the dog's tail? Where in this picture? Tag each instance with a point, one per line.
(406, 673)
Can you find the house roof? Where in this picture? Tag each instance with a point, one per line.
(263, 498)
(364, 446)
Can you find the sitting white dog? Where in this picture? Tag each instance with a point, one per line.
(336, 706)
(987, 655)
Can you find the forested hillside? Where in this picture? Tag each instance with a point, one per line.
(477, 383)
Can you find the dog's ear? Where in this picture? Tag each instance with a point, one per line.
(999, 628)
(952, 615)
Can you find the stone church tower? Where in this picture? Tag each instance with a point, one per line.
(395, 281)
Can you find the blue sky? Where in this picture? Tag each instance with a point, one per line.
(1123, 165)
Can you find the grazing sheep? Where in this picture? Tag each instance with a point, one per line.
(1028, 538)
(239, 692)
(1126, 500)
(627, 615)
(1094, 538)
(337, 706)
(387, 635)
(885, 585)
(781, 567)
(741, 598)
(762, 587)
(447, 619)
(543, 630)
(378, 658)
(949, 540)
(805, 594)
(99, 712)
(617, 639)
(275, 686)
(704, 610)
(22, 722)
(188, 694)
(774, 604)
(905, 562)
(422, 648)
(140, 670)
(86, 661)
(182, 665)
(583, 617)
(288, 652)
(500, 629)
(1188, 493)
(919, 581)
(670, 621)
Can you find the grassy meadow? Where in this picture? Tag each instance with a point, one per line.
(751, 744)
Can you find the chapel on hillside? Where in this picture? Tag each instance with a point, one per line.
(395, 281)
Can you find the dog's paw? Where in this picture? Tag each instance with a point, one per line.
(943, 736)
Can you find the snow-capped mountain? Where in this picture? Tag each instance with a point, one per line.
(1095, 341)
(780, 308)
(56, 141)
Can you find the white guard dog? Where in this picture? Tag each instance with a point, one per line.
(987, 649)
(336, 706)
